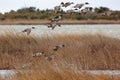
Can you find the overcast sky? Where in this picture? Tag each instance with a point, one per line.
(7, 5)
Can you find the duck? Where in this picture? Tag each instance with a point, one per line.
(53, 25)
(70, 11)
(38, 54)
(79, 6)
(56, 9)
(57, 18)
(66, 4)
(58, 47)
(84, 11)
(28, 30)
(49, 58)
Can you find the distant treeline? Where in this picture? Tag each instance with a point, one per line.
(35, 13)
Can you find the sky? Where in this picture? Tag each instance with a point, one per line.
(7, 5)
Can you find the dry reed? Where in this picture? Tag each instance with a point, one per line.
(86, 52)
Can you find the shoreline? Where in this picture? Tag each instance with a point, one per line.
(63, 22)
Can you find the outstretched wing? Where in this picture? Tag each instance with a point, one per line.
(28, 32)
(24, 30)
(53, 27)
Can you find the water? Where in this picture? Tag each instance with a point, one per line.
(41, 30)
(4, 74)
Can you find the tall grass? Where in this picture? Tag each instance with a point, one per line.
(92, 52)
(81, 52)
(65, 76)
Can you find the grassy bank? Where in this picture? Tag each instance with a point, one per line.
(66, 75)
(81, 52)
(40, 22)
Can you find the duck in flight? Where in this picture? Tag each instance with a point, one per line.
(57, 18)
(53, 25)
(66, 4)
(56, 9)
(28, 30)
(79, 6)
(58, 47)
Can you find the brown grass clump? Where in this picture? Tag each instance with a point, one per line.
(93, 52)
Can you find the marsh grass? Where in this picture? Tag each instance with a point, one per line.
(81, 52)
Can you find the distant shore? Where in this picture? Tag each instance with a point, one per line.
(68, 22)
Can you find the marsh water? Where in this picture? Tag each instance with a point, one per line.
(42, 30)
(112, 30)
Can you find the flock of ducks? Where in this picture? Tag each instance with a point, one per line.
(54, 22)
(75, 7)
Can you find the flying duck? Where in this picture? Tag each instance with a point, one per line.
(53, 25)
(28, 30)
(66, 4)
(58, 47)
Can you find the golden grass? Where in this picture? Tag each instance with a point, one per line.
(92, 52)
(81, 52)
